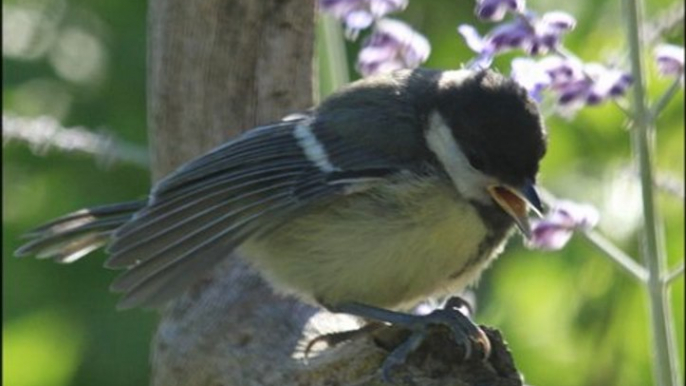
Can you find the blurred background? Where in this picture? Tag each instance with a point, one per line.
(570, 317)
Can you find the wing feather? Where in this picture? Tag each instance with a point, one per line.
(78, 218)
(175, 208)
(68, 238)
(47, 244)
(160, 235)
(222, 230)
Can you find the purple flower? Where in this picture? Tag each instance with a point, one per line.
(477, 44)
(592, 84)
(562, 75)
(534, 35)
(670, 59)
(576, 84)
(502, 38)
(606, 83)
(495, 10)
(393, 45)
(548, 31)
(360, 14)
(530, 75)
(561, 70)
(555, 230)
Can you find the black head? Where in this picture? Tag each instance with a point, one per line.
(496, 125)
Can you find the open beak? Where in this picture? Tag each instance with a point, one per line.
(517, 202)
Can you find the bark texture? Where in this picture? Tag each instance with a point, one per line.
(217, 67)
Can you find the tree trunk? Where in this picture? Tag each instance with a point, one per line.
(217, 67)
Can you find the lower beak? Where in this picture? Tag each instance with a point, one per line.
(516, 203)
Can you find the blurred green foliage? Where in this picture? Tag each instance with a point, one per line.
(571, 317)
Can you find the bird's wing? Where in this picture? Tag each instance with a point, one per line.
(196, 216)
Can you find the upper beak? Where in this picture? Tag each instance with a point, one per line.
(516, 202)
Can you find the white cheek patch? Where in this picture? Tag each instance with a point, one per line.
(469, 182)
(313, 149)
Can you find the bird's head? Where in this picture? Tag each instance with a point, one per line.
(489, 137)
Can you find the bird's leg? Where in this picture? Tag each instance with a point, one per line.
(464, 331)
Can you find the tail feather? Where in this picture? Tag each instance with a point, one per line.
(70, 237)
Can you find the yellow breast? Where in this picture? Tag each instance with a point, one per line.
(388, 247)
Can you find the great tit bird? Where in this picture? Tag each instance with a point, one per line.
(397, 188)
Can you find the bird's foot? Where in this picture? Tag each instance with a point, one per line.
(465, 333)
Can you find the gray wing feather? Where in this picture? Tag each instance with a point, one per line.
(170, 213)
(163, 233)
(284, 158)
(49, 243)
(72, 236)
(200, 213)
(253, 146)
(222, 230)
(70, 250)
(80, 217)
(172, 279)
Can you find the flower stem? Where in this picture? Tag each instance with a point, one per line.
(334, 59)
(624, 261)
(666, 97)
(678, 271)
(617, 255)
(653, 244)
